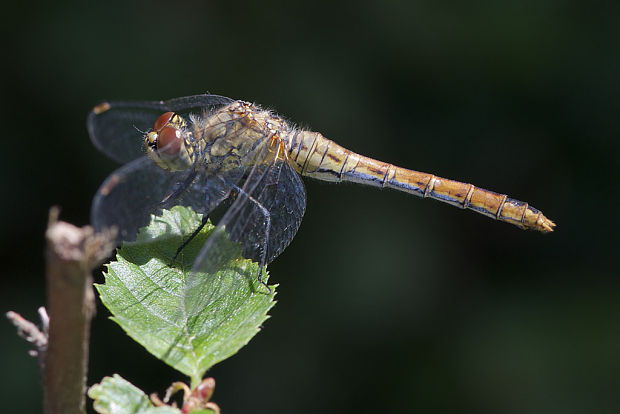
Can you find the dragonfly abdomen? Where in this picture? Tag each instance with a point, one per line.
(468, 196)
(320, 158)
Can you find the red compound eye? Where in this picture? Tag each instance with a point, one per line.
(169, 141)
(162, 121)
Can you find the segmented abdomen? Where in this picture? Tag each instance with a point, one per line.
(316, 156)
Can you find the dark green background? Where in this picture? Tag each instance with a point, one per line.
(386, 302)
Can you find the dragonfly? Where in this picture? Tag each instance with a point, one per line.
(207, 151)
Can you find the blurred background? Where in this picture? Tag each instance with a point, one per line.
(386, 302)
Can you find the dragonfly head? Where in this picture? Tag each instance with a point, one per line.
(167, 144)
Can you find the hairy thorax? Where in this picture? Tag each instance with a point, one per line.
(229, 136)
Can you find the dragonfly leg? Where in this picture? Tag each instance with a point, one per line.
(263, 253)
(180, 187)
(260, 279)
(189, 239)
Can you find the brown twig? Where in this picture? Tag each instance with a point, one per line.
(31, 333)
(72, 253)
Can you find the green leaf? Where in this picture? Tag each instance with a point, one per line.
(189, 319)
(115, 395)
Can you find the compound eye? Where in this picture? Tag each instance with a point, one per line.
(162, 121)
(169, 141)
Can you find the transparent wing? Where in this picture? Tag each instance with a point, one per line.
(140, 188)
(280, 193)
(264, 218)
(114, 126)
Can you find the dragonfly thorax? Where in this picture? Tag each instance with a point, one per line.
(168, 143)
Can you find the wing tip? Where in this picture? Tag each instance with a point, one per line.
(101, 108)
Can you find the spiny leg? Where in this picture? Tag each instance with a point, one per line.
(189, 239)
(263, 255)
(180, 187)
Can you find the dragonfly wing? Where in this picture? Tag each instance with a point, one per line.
(114, 126)
(264, 217)
(131, 193)
(281, 193)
